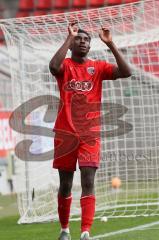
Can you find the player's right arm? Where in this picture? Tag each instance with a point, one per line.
(57, 60)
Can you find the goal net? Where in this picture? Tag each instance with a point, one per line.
(130, 110)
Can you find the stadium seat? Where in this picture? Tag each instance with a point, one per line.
(39, 12)
(154, 58)
(79, 3)
(26, 5)
(72, 9)
(137, 60)
(64, 4)
(128, 10)
(44, 4)
(151, 68)
(113, 12)
(22, 14)
(96, 3)
(56, 11)
(113, 2)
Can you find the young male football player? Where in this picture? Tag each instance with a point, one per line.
(77, 127)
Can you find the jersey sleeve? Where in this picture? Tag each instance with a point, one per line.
(106, 70)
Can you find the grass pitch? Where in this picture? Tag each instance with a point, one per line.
(50, 231)
(114, 229)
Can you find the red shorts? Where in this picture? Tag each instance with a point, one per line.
(70, 148)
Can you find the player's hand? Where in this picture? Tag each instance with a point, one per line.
(105, 35)
(73, 29)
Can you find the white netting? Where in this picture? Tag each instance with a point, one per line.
(5, 81)
(130, 130)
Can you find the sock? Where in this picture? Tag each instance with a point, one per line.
(83, 233)
(64, 205)
(66, 230)
(88, 210)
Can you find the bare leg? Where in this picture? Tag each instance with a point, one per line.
(87, 180)
(66, 179)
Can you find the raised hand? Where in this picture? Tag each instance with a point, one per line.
(73, 29)
(105, 35)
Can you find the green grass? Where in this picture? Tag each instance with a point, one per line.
(10, 230)
(8, 206)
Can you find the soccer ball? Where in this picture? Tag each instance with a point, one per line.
(116, 182)
(104, 219)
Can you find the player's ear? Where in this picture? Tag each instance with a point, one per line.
(89, 47)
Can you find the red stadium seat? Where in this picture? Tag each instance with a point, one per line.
(44, 4)
(26, 5)
(56, 11)
(151, 68)
(39, 12)
(79, 3)
(22, 14)
(76, 9)
(113, 2)
(128, 11)
(154, 59)
(137, 60)
(113, 12)
(61, 4)
(96, 3)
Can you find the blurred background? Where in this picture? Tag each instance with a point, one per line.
(143, 56)
(23, 8)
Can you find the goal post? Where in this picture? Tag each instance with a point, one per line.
(130, 111)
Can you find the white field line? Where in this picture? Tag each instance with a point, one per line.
(141, 227)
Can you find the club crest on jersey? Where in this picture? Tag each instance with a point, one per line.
(91, 70)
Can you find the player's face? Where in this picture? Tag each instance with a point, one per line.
(81, 45)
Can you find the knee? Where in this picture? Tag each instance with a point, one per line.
(65, 188)
(88, 186)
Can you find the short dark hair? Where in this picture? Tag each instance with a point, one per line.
(83, 31)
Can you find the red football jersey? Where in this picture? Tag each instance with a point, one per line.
(80, 86)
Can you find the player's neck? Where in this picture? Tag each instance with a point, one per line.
(79, 59)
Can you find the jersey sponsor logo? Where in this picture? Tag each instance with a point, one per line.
(84, 86)
(91, 70)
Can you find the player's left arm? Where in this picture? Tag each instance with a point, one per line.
(122, 70)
